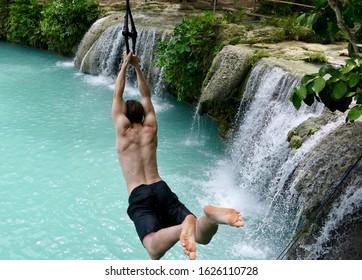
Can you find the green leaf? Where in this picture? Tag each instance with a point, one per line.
(312, 19)
(351, 94)
(339, 91)
(326, 99)
(320, 3)
(358, 97)
(343, 104)
(301, 19)
(354, 79)
(318, 85)
(309, 100)
(351, 62)
(348, 68)
(301, 91)
(307, 78)
(329, 69)
(354, 113)
(294, 98)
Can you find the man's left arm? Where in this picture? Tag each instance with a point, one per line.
(150, 115)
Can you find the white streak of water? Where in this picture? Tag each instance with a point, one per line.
(339, 215)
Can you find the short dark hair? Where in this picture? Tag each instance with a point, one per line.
(134, 111)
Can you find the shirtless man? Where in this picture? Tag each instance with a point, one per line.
(161, 220)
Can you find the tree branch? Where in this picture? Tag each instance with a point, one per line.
(342, 25)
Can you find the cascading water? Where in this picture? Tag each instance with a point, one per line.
(105, 55)
(266, 115)
(255, 176)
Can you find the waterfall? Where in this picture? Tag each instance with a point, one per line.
(342, 212)
(105, 55)
(256, 175)
(266, 115)
(259, 171)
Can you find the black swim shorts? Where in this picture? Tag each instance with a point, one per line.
(153, 207)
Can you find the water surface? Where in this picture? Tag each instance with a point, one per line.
(62, 195)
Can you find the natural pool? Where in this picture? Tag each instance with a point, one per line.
(62, 195)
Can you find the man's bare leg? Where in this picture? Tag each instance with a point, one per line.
(205, 228)
(187, 236)
(208, 224)
(191, 231)
(158, 243)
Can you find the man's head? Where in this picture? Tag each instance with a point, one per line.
(134, 111)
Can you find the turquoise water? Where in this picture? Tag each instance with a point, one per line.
(62, 195)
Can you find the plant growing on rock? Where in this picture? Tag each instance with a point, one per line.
(336, 88)
(188, 53)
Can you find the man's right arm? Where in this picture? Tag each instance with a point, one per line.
(119, 106)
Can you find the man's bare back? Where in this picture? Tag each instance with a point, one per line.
(136, 148)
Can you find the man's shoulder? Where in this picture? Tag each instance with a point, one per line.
(121, 124)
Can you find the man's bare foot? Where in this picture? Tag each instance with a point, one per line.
(187, 236)
(226, 216)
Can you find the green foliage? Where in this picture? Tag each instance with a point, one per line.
(336, 88)
(23, 22)
(65, 22)
(4, 14)
(58, 25)
(317, 57)
(324, 21)
(235, 17)
(279, 9)
(257, 56)
(188, 53)
(292, 30)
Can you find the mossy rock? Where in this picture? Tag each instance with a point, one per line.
(298, 135)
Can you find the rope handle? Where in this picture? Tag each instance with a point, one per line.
(125, 31)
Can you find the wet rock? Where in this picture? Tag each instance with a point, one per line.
(334, 228)
(298, 135)
(94, 33)
(220, 96)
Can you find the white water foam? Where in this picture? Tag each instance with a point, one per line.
(65, 64)
(99, 80)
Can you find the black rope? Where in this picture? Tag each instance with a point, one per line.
(314, 217)
(125, 31)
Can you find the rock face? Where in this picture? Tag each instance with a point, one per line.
(93, 34)
(336, 233)
(231, 67)
(298, 135)
(222, 86)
